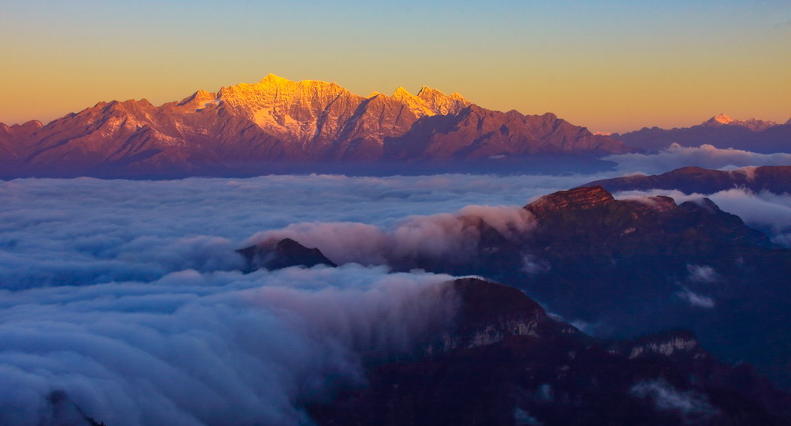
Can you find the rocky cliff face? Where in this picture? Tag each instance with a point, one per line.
(247, 127)
(575, 199)
(590, 221)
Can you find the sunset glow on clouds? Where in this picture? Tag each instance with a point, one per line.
(608, 65)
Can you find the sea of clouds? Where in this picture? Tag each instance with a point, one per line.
(124, 301)
(707, 156)
(89, 231)
(216, 348)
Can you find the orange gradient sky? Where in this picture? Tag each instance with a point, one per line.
(608, 65)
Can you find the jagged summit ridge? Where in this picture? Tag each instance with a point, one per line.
(309, 110)
(243, 127)
(722, 118)
(751, 124)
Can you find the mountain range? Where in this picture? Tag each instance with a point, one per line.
(278, 125)
(253, 128)
(720, 131)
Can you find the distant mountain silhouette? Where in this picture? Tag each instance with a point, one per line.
(720, 131)
(775, 179)
(250, 128)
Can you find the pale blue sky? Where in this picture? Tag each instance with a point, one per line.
(610, 65)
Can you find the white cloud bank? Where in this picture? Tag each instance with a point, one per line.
(122, 296)
(88, 231)
(707, 156)
(441, 236)
(123, 299)
(216, 348)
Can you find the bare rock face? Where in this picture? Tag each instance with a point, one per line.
(245, 128)
(578, 199)
(670, 344)
(441, 103)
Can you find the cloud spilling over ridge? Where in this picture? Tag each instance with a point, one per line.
(88, 231)
(707, 156)
(212, 348)
(441, 236)
(765, 210)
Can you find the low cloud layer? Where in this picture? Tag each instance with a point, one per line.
(123, 299)
(217, 348)
(707, 156)
(89, 231)
(440, 237)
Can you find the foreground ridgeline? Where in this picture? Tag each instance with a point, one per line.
(627, 267)
(260, 127)
(500, 359)
(506, 362)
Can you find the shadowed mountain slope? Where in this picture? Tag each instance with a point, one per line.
(506, 362)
